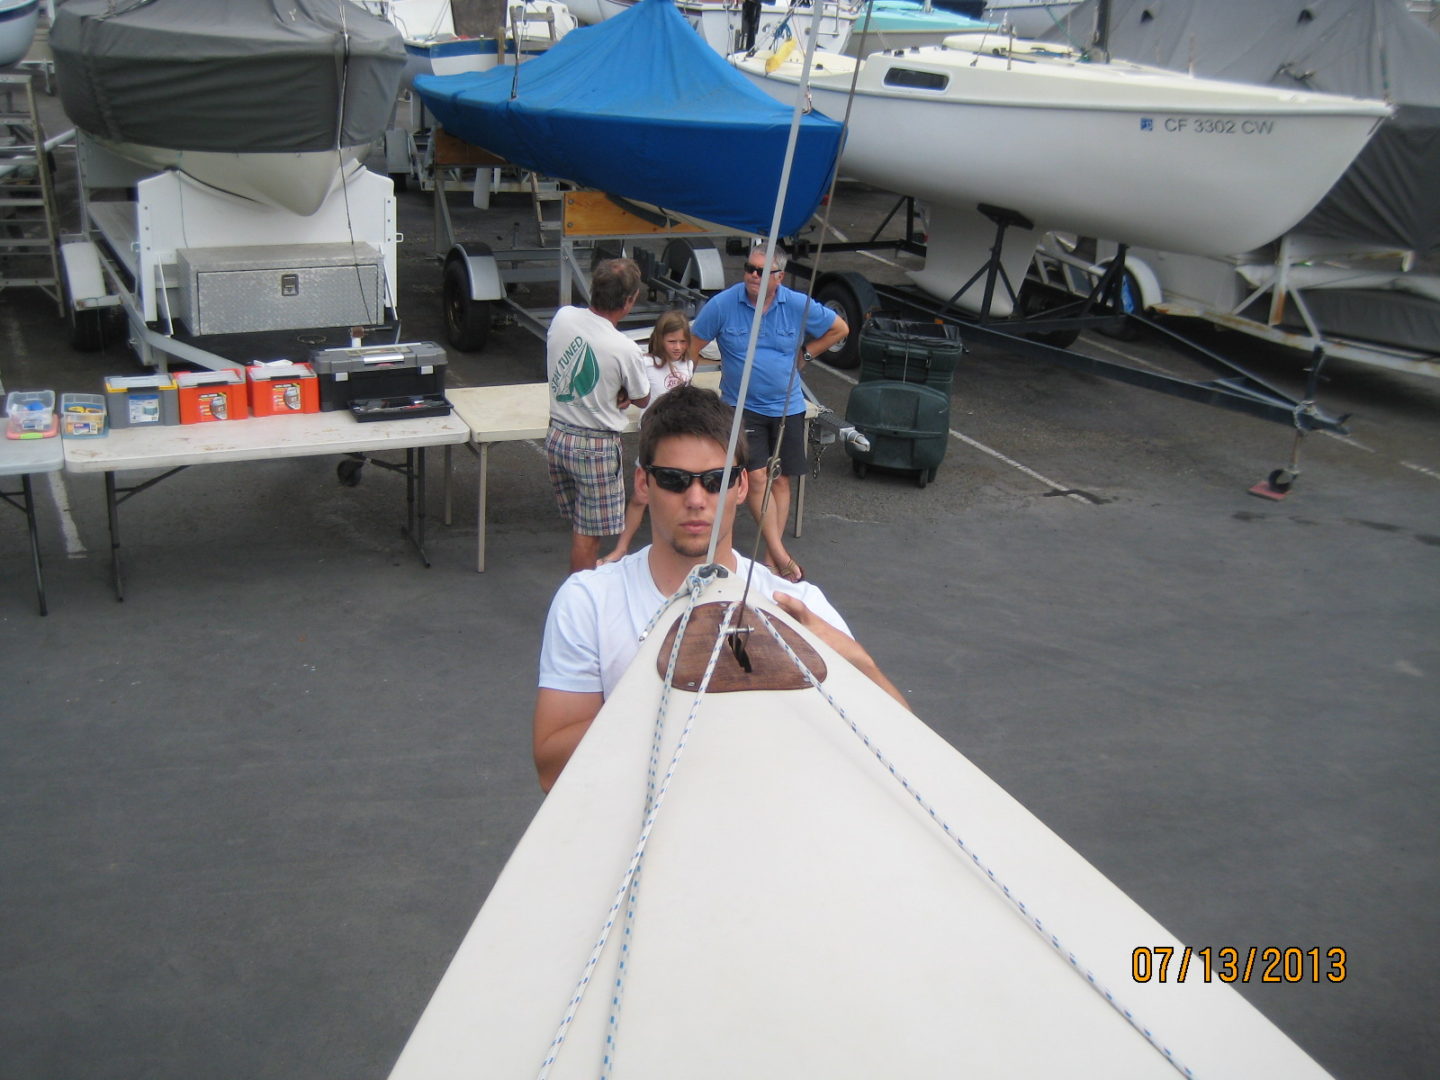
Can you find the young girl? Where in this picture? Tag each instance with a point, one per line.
(669, 348)
(670, 366)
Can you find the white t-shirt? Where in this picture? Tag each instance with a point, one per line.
(593, 629)
(668, 376)
(588, 361)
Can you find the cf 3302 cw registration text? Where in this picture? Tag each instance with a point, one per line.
(1217, 125)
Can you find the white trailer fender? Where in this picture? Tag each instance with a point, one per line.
(481, 269)
(712, 270)
(695, 263)
(84, 279)
(1145, 280)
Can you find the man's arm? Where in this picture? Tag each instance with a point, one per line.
(839, 330)
(841, 642)
(561, 719)
(634, 382)
(696, 346)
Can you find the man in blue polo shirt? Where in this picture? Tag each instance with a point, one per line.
(793, 330)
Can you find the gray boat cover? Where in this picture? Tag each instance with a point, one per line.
(1367, 48)
(241, 76)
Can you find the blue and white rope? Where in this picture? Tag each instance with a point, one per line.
(1034, 920)
(629, 884)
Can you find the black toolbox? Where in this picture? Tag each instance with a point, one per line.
(383, 382)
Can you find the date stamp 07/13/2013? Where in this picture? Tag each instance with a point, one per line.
(1230, 964)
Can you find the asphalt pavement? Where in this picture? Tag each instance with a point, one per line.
(248, 813)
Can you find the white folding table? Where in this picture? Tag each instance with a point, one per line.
(496, 414)
(261, 439)
(26, 458)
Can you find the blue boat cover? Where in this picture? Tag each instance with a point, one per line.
(641, 107)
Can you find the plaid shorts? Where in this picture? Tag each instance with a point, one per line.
(587, 473)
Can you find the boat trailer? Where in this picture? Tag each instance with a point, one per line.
(215, 280)
(1048, 321)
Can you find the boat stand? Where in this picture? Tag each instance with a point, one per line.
(993, 269)
(1045, 330)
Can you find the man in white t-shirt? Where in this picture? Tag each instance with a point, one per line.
(595, 372)
(593, 629)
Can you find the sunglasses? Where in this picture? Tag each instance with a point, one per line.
(750, 268)
(679, 481)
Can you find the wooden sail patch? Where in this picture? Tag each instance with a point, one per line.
(770, 667)
(594, 213)
(452, 151)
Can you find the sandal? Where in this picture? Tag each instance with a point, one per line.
(792, 572)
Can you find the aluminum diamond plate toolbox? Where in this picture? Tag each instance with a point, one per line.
(237, 290)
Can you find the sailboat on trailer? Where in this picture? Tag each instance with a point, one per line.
(274, 102)
(1139, 154)
(639, 107)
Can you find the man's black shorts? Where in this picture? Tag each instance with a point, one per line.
(760, 435)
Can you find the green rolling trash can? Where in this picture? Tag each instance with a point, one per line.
(905, 350)
(907, 424)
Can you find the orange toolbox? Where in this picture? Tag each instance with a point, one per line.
(281, 387)
(211, 395)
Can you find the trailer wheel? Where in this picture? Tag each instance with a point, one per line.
(1032, 302)
(841, 297)
(87, 329)
(467, 321)
(1130, 304)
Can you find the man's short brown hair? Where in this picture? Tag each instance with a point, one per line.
(614, 282)
(686, 410)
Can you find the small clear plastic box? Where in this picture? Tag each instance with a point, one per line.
(31, 413)
(82, 416)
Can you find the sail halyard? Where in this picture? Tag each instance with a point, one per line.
(796, 113)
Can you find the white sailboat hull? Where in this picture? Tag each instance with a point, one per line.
(297, 182)
(433, 48)
(246, 98)
(719, 22)
(799, 912)
(1143, 156)
(18, 20)
(904, 24)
